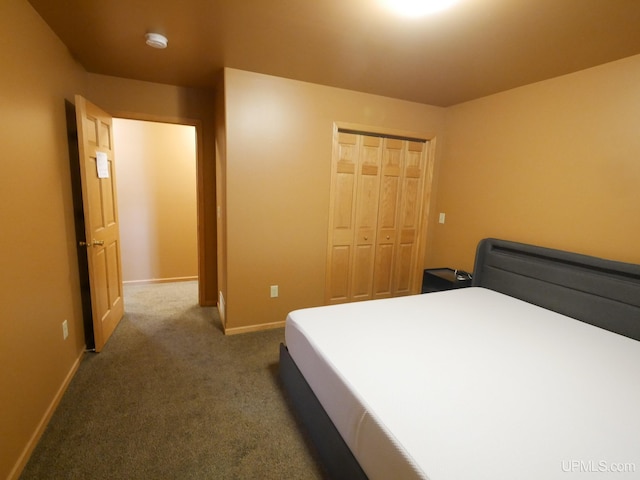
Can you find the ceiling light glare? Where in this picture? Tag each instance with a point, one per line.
(156, 40)
(417, 8)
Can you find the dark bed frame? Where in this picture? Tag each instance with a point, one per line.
(600, 292)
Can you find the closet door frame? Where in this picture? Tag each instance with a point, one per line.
(425, 208)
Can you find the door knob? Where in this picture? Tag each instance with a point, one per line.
(95, 243)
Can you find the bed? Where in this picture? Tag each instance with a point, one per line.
(532, 372)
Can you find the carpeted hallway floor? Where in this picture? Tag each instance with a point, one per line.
(170, 397)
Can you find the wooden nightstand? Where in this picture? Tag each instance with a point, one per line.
(437, 279)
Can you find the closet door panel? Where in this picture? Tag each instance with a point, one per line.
(339, 268)
(392, 161)
(342, 219)
(410, 216)
(344, 192)
(404, 274)
(366, 217)
(362, 272)
(382, 281)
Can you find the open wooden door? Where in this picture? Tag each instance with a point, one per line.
(99, 201)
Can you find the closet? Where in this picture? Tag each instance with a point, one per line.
(376, 210)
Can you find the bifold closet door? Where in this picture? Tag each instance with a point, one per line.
(410, 217)
(388, 212)
(399, 209)
(354, 210)
(375, 208)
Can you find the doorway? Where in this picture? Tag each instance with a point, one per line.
(157, 200)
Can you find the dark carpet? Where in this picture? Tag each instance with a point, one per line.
(171, 397)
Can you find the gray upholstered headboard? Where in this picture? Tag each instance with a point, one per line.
(600, 292)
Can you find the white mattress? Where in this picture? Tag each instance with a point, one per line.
(472, 384)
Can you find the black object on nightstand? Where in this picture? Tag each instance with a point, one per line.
(437, 279)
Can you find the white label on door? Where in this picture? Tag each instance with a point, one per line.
(103, 165)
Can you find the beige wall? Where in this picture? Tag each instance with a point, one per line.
(278, 158)
(166, 103)
(554, 163)
(156, 168)
(39, 283)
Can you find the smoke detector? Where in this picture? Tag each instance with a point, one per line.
(156, 40)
